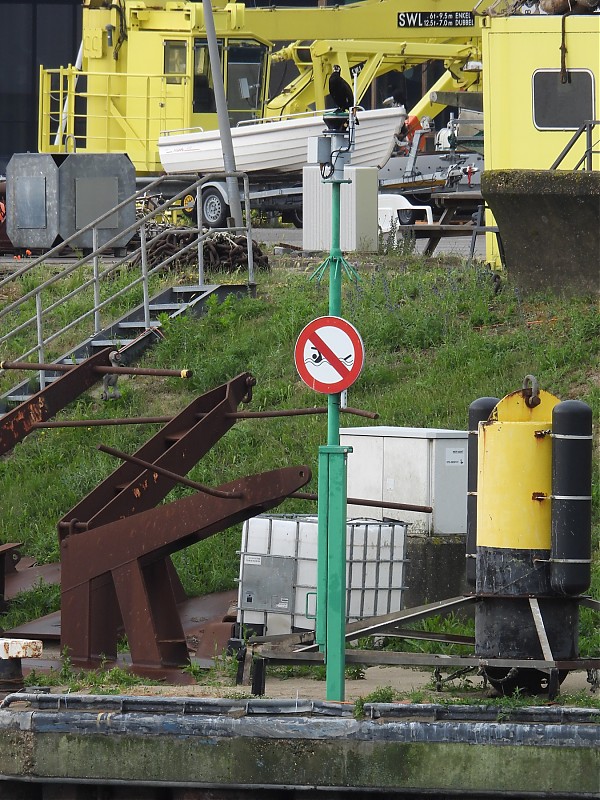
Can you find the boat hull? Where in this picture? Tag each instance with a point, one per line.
(278, 147)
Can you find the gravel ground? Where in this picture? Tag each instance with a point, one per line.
(293, 236)
(403, 680)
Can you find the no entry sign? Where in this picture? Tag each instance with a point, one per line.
(329, 355)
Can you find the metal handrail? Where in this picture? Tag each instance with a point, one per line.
(243, 123)
(586, 127)
(44, 337)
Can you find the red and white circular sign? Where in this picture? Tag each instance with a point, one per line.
(329, 355)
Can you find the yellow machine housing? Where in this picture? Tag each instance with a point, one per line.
(529, 113)
(145, 68)
(535, 97)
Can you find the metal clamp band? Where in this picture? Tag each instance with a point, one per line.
(571, 497)
(570, 436)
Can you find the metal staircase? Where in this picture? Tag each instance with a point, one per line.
(134, 331)
(130, 334)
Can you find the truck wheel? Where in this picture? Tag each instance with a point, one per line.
(293, 215)
(214, 209)
(406, 216)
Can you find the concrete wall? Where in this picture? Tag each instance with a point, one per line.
(550, 227)
(256, 745)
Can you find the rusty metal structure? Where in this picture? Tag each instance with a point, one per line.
(116, 572)
(20, 421)
(116, 547)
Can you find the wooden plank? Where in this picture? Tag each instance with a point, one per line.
(427, 231)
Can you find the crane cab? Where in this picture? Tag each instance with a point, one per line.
(144, 69)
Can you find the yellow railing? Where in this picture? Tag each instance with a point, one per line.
(102, 112)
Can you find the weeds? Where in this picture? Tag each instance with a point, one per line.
(315, 672)
(222, 673)
(112, 680)
(42, 599)
(383, 694)
(450, 624)
(396, 242)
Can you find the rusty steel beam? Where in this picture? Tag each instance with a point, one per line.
(16, 424)
(287, 412)
(358, 501)
(117, 572)
(177, 447)
(100, 369)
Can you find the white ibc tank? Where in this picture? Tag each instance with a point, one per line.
(278, 571)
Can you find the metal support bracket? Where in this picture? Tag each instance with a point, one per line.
(541, 630)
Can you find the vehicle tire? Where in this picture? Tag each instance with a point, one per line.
(294, 216)
(214, 209)
(406, 216)
(188, 204)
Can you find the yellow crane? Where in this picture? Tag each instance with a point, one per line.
(315, 61)
(145, 65)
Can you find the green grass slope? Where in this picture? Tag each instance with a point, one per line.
(436, 335)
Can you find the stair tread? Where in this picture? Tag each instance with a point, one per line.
(154, 323)
(167, 306)
(202, 289)
(110, 342)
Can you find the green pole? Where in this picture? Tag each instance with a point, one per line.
(331, 548)
(322, 528)
(336, 514)
(335, 256)
(335, 304)
(335, 650)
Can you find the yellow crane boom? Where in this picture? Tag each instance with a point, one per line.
(145, 65)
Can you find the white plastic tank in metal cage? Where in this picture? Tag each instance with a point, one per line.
(278, 571)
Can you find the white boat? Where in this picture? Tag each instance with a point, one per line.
(278, 146)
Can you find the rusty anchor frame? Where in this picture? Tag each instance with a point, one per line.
(118, 574)
(22, 420)
(116, 547)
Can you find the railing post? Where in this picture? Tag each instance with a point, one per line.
(96, 267)
(145, 275)
(40, 337)
(588, 145)
(200, 240)
(247, 209)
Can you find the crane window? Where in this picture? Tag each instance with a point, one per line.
(246, 70)
(175, 57)
(559, 106)
(204, 95)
